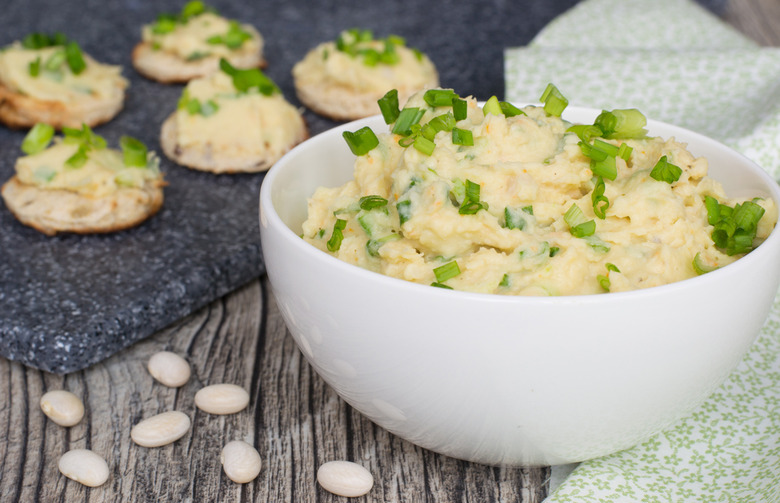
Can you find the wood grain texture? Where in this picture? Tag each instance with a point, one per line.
(294, 419)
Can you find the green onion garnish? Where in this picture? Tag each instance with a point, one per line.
(37, 139)
(134, 152)
(334, 243)
(700, 266)
(41, 40)
(599, 200)
(513, 218)
(373, 245)
(578, 225)
(462, 137)
(250, 78)
(446, 271)
(388, 105)
(735, 228)
(370, 202)
(554, 102)
(424, 145)
(492, 106)
(606, 168)
(441, 285)
(74, 58)
(208, 108)
(440, 97)
(78, 159)
(35, 67)
(664, 171)
(55, 61)
(628, 123)
(585, 132)
(361, 141)
(624, 152)
(471, 203)
(459, 109)
(404, 211)
(406, 119)
(509, 110)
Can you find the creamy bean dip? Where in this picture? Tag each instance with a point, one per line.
(499, 200)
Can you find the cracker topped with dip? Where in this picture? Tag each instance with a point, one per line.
(343, 79)
(75, 183)
(179, 47)
(234, 120)
(49, 79)
(503, 200)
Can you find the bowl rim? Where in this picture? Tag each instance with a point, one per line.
(272, 219)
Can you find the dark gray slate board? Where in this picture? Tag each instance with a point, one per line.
(69, 301)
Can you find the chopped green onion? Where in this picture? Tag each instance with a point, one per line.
(78, 159)
(74, 58)
(610, 149)
(505, 281)
(592, 152)
(604, 282)
(193, 8)
(164, 24)
(664, 171)
(471, 203)
(370, 202)
(35, 67)
(578, 225)
(446, 271)
(554, 102)
(424, 145)
(37, 139)
(439, 97)
(606, 168)
(84, 136)
(713, 209)
(492, 106)
(599, 200)
(624, 152)
(388, 105)
(244, 80)
(361, 141)
(134, 152)
(334, 243)
(612, 267)
(406, 119)
(702, 267)
(554, 250)
(404, 211)
(513, 218)
(441, 285)
(585, 132)
(528, 209)
(597, 244)
(509, 110)
(459, 109)
(628, 123)
(462, 137)
(55, 61)
(209, 108)
(373, 245)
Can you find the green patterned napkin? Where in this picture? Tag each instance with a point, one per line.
(678, 63)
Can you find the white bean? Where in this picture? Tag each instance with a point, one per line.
(161, 429)
(169, 369)
(84, 466)
(345, 478)
(222, 399)
(240, 461)
(62, 407)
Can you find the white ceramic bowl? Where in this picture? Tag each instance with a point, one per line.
(512, 380)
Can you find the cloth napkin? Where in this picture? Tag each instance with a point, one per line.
(678, 63)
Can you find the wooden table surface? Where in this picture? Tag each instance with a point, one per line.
(294, 419)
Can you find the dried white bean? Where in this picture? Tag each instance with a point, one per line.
(222, 399)
(161, 429)
(169, 369)
(62, 407)
(240, 461)
(84, 466)
(345, 478)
